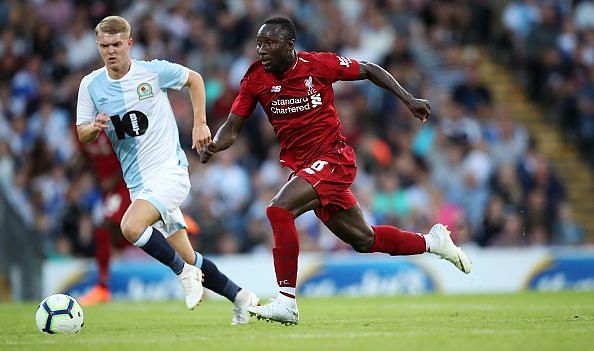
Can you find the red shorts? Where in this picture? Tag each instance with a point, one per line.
(115, 204)
(331, 176)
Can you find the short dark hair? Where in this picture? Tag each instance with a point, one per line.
(287, 26)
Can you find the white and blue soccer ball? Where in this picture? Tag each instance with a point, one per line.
(59, 313)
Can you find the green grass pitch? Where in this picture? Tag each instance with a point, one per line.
(527, 321)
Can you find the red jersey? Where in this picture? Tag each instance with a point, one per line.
(105, 161)
(299, 103)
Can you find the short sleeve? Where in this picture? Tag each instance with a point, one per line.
(246, 100)
(85, 108)
(337, 67)
(171, 75)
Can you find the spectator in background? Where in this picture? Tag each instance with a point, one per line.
(57, 13)
(584, 14)
(25, 85)
(585, 116)
(541, 56)
(6, 167)
(493, 221)
(455, 122)
(80, 42)
(544, 180)
(512, 234)
(506, 139)
(505, 184)
(449, 72)
(390, 202)
(518, 19)
(567, 230)
(52, 124)
(471, 93)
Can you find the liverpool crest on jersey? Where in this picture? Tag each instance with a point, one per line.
(310, 86)
(144, 90)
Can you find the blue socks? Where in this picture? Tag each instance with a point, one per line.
(155, 244)
(215, 280)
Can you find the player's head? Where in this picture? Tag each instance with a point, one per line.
(275, 43)
(113, 42)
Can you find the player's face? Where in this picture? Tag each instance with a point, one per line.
(274, 50)
(115, 51)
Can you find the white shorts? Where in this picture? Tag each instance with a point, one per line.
(166, 192)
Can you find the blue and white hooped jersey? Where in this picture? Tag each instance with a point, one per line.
(142, 127)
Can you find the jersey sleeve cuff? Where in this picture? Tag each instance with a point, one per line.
(183, 80)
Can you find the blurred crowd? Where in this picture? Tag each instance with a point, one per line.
(472, 167)
(551, 45)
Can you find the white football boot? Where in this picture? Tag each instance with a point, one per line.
(276, 311)
(243, 300)
(191, 281)
(443, 246)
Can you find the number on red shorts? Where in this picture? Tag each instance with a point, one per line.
(315, 167)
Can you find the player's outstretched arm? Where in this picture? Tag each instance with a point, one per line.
(224, 137)
(89, 132)
(200, 131)
(419, 107)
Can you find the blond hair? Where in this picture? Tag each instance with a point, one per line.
(113, 25)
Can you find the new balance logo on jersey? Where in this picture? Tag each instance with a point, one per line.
(316, 100)
(275, 89)
(344, 61)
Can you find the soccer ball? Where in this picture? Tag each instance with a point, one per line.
(59, 314)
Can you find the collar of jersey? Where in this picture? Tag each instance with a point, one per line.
(296, 60)
(123, 77)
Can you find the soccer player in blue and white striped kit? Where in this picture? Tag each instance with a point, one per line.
(127, 99)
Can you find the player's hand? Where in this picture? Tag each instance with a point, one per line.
(420, 108)
(206, 153)
(101, 121)
(200, 137)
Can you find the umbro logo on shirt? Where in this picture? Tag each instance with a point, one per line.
(103, 101)
(275, 89)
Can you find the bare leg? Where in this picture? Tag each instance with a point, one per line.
(181, 243)
(137, 218)
(351, 227)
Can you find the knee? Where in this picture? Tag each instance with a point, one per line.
(275, 214)
(131, 230)
(278, 203)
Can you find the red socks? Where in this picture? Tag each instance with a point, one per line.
(286, 249)
(285, 253)
(396, 242)
(102, 253)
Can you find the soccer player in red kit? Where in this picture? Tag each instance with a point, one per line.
(116, 200)
(295, 90)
